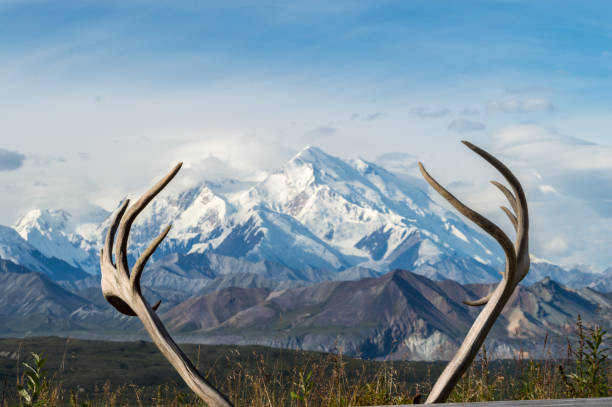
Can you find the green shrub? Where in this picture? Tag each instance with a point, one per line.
(34, 381)
(589, 378)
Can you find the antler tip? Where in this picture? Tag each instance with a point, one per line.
(173, 172)
(474, 303)
(176, 168)
(469, 145)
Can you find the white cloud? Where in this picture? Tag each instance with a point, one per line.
(320, 132)
(10, 160)
(45, 160)
(426, 112)
(520, 106)
(551, 151)
(369, 117)
(557, 246)
(465, 126)
(240, 157)
(569, 191)
(469, 112)
(397, 162)
(531, 105)
(521, 90)
(568, 183)
(372, 116)
(547, 189)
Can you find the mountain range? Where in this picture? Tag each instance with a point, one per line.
(323, 252)
(399, 315)
(316, 216)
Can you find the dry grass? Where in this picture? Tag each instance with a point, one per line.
(309, 381)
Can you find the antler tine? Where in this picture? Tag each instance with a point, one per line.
(107, 251)
(488, 226)
(510, 216)
(509, 196)
(479, 302)
(512, 200)
(522, 214)
(135, 209)
(144, 257)
(519, 195)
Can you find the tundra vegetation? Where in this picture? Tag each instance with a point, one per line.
(107, 374)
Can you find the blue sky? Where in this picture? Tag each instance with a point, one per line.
(99, 97)
(392, 46)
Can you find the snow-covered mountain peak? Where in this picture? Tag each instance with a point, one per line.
(44, 220)
(206, 211)
(56, 222)
(229, 188)
(325, 168)
(196, 214)
(17, 250)
(362, 210)
(10, 237)
(313, 155)
(53, 233)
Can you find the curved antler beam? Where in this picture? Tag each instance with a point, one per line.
(121, 288)
(517, 266)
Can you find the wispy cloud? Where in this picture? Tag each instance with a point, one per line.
(320, 132)
(44, 160)
(240, 157)
(10, 160)
(532, 139)
(520, 106)
(368, 117)
(569, 190)
(469, 112)
(426, 112)
(462, 125)
(522, 90)
(460, 184)
(397, 162)
(372, 116)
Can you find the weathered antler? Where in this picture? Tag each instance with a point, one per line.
(517, 266)
(121, 288)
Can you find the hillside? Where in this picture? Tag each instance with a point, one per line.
(400, 315)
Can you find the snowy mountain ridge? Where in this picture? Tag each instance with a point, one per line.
(316, 212)
(17, 250)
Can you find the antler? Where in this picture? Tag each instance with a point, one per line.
(121, 288)
(517, 266)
